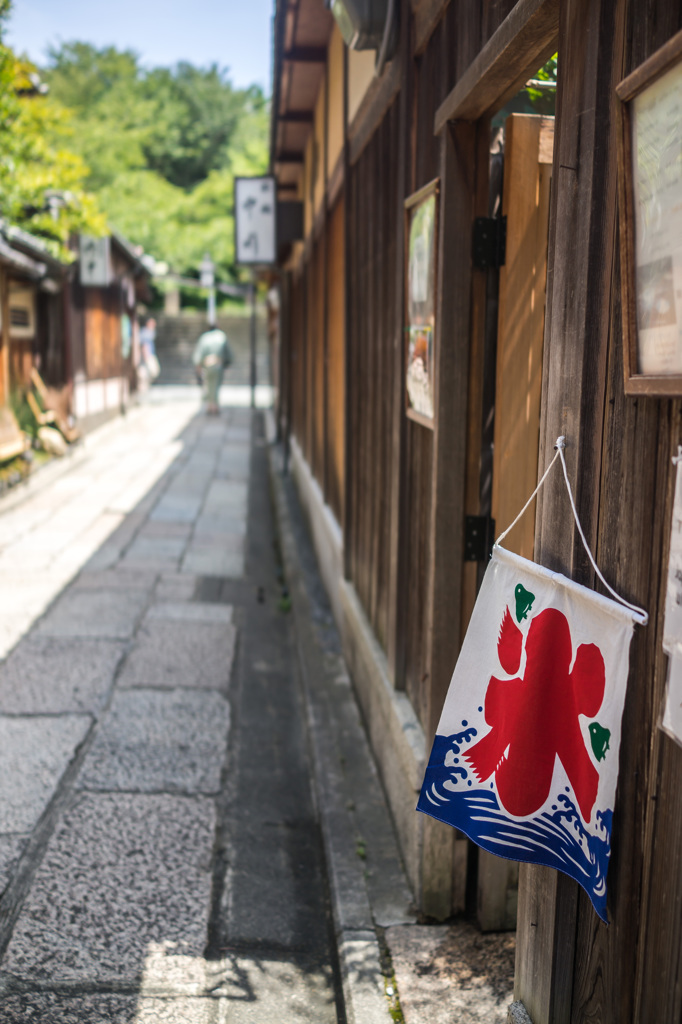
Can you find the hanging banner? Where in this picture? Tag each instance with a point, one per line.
(525, 759)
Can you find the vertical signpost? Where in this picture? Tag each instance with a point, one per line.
(207, 279)
(255, 240)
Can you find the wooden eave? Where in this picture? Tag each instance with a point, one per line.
(302, 32)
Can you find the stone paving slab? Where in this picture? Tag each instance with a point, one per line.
(11, 848)
(55, 675)
(106, 557)
(230, 541)
(173, 586)
(234, 462)
(189, 611)
(58, 1008)
(121, 578)
(213, 560)
(12, 629)
(245, 990)
(34, 752)
(102, 613)
(260, 990)
(199, 655)
(121, 872)
(156, 548)
(172, 509)
(227, 527)
(150, 530)
(152, 740)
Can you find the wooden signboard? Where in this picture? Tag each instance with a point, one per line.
(421, 238)
(650, 197)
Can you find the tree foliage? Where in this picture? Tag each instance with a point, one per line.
(36, 161)
(162, 147)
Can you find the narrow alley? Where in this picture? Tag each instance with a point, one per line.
(192, 828)
(161, 865)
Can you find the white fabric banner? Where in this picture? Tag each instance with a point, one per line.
(525, 759)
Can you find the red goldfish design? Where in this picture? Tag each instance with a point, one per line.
(535, 719)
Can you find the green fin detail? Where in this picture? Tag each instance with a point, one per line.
(524, 601)
(599, 737)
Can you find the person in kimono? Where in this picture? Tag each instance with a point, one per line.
(212, 355)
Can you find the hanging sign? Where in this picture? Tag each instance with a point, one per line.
(421, 230)
(650, 199)
(95, 261)
(525, 759)
(255, 220)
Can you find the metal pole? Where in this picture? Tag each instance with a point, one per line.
(253, 339)
(211, 307)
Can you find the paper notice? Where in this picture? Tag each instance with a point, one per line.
(672, 624)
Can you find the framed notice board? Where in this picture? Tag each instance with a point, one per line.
(650, 206)
(421, 252)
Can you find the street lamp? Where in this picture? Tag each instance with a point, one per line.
(207, 279)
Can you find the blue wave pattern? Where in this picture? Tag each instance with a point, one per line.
(555, 838)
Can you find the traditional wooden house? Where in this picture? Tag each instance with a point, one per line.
(32, 291)
(107, 282)
(425, 374)
(77, 329)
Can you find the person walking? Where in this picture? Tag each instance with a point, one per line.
(149, 361)
(212, 355)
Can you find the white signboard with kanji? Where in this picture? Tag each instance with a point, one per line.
(95, 261)
(255, 213)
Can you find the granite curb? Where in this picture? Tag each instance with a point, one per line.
(338, 747)
(364, 920)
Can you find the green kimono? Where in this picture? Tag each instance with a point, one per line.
(212, 354)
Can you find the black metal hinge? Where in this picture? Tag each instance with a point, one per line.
(490, 242)
(479, 535)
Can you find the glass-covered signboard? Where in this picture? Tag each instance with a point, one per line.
(651, 222)
(420, 301)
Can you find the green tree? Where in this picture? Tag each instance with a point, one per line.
(162, 147)
(35, 160)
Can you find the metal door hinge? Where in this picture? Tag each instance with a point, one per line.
(479, 535)
(490, 242)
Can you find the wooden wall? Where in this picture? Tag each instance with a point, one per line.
(373, 231)
(336, 354)
(570, 966)
(397, 602)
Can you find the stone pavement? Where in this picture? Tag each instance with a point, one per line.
(191, 824)
(160, 854)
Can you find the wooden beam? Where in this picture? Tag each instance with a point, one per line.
(457, 200)
(289, 156)
(296, 117)
(427, 14)
(306, 55)
(376, 102)
(523, 43)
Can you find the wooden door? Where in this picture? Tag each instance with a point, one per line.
(529, 142)
(528, 147)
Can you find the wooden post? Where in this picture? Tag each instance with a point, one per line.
(458, 188)
(252, 338)
(580, 257)
(395, 640)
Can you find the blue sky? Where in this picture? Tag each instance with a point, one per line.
(233, 33)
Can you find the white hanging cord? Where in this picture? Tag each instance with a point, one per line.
(640, 614)
(530, 500)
